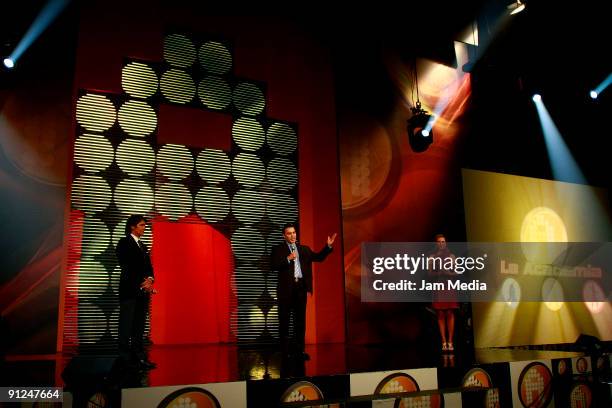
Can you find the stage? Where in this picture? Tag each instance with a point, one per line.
(349, 375)
(362, 153)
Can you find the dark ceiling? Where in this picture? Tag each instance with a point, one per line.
(552, 49)
(549, 48)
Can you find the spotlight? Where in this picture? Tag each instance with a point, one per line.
(594, 94)
(419, 135)
(536, 97)
(42, 21)
(9, 63)
(516, 7)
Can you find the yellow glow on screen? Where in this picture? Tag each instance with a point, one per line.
(506, 208)
(554, 306)
(543, 225)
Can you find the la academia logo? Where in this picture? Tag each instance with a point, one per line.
(479, 378)
(304, 391)
(581, 396)
(190, 397)
(402, 382)
(535, 386)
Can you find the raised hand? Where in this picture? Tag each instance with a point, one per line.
(147, 286)
(330, 240)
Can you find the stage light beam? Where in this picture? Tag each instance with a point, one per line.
(564, 166)
(8, 62)
(46, 16)
(601, 87)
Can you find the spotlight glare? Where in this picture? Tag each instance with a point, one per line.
(425, 132)
(594, 94)
(517, 10)
(536, 97)
(9, 63)
(516, 7)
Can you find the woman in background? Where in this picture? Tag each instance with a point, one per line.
(445, 309)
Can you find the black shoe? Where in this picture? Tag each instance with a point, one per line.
(146, 365)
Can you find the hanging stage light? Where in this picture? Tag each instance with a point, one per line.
(420, 134)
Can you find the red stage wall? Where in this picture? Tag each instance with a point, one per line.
(299, 80)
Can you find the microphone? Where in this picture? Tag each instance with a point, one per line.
(293, 249)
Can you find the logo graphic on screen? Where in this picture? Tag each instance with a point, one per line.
(581, 365)
(534, 386)
(562, 367)
(603, 364)
(479, 378)
(581, 396)
(593, 291)
(511, 292)
(190, 397)
(551, 290)
(99, 399)
(303, 391)
(543, 224)
(492, 398)
(400, 382)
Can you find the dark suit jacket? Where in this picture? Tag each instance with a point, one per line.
(135, 267)
(278, 260)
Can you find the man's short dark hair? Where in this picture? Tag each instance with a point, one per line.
(439, 236)
(133, 221)
(289, 225)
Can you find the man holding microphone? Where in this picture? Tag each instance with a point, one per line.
(293, 262)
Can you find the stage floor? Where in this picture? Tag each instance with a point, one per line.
(200, 364)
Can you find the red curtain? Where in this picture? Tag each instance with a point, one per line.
(193, 266)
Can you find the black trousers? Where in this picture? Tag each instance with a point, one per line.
(293, 305)
(132, 317)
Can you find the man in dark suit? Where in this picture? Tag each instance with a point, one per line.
(135, 288)
(293, 262)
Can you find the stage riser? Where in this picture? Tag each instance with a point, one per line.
(553, 382)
